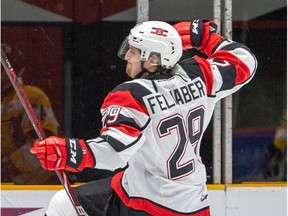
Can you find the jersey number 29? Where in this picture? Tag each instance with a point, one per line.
(176, 167)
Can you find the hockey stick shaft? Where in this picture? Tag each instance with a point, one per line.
(37, 127)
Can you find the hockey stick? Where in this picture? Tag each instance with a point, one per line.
(38, 128)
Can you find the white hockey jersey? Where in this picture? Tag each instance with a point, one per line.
(156, 125)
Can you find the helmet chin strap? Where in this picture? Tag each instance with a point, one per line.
(142, 72)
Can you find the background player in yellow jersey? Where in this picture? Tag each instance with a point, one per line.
(275, 165)
(17, 133)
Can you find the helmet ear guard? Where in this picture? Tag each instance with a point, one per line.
(153, 60)
(154, 38)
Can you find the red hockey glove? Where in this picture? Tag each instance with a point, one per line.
(56, 153)
(195, 34)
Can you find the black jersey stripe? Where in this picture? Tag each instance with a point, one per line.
(137, 90)
(228, 75)
(123, 120)
(192, 68)
(234, 46)
(117, 145)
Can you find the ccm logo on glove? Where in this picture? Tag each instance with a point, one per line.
(195, 26)
(75, 153)
(73, 150)
(195, 33)
(57, 153)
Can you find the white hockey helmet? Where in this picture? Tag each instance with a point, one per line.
(154, 37)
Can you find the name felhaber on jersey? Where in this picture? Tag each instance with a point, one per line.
(159, 102)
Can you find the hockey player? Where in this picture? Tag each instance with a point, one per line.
(153, 125)
(17, 133)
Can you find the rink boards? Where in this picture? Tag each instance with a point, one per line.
(231, 200)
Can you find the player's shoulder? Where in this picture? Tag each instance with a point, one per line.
(133, 86)
(31, 88)
(34, 91)
(137, 89)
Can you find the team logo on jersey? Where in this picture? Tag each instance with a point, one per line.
(159, 31)
(203, 197)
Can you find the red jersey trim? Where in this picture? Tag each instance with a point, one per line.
(212, 42)
(147, 205)
(242, 70)
(130, 131)
(208, 76)
(124, 99)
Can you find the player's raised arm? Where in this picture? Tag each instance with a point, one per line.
(229, 65)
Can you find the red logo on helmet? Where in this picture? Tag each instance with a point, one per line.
(159, 32)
